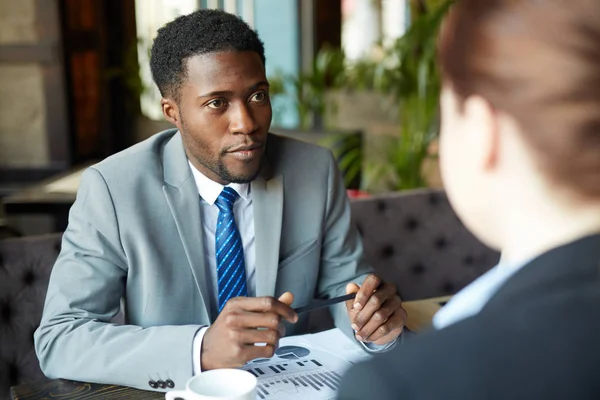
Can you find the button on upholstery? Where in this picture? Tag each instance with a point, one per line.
(161, 384)
(153, 384)
(415, 240)
(170, 383)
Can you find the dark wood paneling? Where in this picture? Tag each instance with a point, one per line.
(57, 120)
(123, 99)
(328, 23)
(57, 123)
(84, 63)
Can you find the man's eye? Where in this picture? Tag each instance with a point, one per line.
(216, 104)
(258, 97)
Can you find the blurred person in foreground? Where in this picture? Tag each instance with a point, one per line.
(520, 157)
(208, 233)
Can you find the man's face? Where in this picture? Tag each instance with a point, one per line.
(224, 114)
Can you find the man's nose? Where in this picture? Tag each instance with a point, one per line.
(242, 121)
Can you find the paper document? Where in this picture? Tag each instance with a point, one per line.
(306, 367)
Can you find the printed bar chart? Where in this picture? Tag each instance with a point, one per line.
(297, 372)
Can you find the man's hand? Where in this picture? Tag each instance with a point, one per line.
(376, 313)
(230, 340)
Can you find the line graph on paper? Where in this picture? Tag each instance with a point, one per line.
(298, 372)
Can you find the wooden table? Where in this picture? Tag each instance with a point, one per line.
(420, 314)
(53, 196)
(66, 390)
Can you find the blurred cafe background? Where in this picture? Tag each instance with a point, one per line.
(356, 76)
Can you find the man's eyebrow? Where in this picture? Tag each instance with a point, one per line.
(217, 93)
(229, 92)
(259, 84)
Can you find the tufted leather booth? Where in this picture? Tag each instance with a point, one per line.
(25, 265)
(411, 238)
(414, 239)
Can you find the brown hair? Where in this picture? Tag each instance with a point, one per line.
(538, 61)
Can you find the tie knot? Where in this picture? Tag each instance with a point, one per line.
(226, 199)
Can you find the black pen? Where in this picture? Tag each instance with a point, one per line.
(324, 303)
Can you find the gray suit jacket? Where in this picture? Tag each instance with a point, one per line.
(135, 237)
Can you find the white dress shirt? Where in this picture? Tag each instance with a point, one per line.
(243, 212)
(469, 301)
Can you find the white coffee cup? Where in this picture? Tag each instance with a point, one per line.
(218, 384)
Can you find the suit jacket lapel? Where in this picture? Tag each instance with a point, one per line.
(184, 202)
(267, 199)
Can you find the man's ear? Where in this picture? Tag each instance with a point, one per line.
(484, 130)
(170, 110)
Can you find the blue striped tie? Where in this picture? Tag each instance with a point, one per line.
(231, 269)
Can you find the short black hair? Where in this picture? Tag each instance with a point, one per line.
(201, 32)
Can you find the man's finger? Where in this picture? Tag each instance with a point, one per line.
(252, 336)
(370, 284)
(286, 298)
(251, 352)
(281, 329)
(264, 304)
(253, 320)
(351, 288)
(390, 330)
(375, 302)
(378, 318)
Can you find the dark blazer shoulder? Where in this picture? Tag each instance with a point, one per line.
(519, 354)
(536, 338)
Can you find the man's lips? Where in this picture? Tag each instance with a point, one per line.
(246, 148)
(247, 152)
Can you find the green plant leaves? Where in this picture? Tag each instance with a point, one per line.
(407, 70)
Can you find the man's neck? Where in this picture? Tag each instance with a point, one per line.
(537, 229)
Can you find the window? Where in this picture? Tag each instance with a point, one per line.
(275, 20)
(366, 23)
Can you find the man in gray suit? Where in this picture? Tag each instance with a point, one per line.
(205, 233)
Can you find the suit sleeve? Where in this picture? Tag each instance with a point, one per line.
(342, 252)
(76, 339)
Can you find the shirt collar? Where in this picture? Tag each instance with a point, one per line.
(209, 190)
(471, 300)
